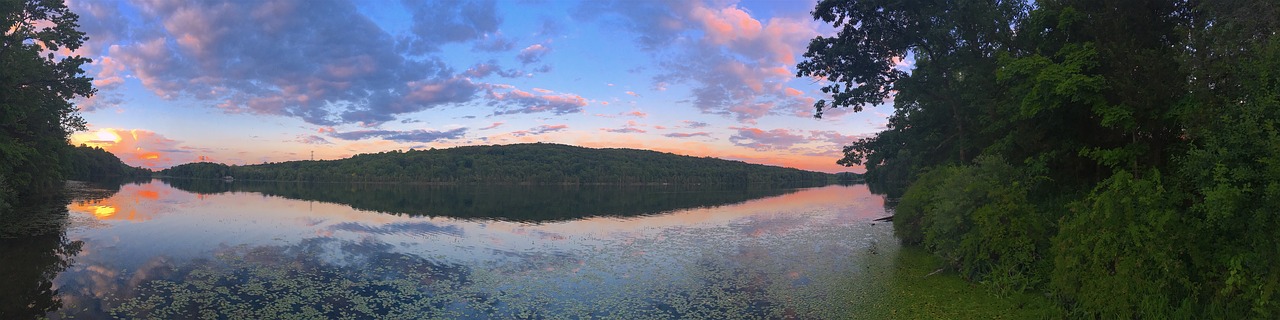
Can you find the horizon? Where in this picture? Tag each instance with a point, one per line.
(484, 145)
(272, 81)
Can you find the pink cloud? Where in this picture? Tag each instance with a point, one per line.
(110, 74)
(516, 101)
(688, 134)
(532, 54)
(136, 147)
(836, 138)
(494, 125)
(737, 64)
(312, 139)
(624, 130)
(761, 140)
(540, 130)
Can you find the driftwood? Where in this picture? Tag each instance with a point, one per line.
(885, 219)
(933, 273)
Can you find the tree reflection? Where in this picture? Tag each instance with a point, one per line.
(500, 202)
(35, 249)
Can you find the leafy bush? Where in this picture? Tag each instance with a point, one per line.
(978, 217)
(1121, 254)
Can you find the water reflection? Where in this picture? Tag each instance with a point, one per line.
(498, 202)
(173, 250)
(35, 249)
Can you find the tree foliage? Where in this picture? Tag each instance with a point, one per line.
(37, 85)
(88, 163)
(537, 163)
(1143, 157)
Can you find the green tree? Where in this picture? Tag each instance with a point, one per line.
(36, 88)
(1142, 140)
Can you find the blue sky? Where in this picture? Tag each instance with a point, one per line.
(247, 82)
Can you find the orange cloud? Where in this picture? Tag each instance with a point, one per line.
(136, 147)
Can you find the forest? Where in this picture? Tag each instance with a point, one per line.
(1121, 157)
(535, 163)
(91, 163)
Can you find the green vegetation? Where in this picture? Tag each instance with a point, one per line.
(1122, 157)
(914, 291)
(538, 163)
(36, 87)
(89, 163)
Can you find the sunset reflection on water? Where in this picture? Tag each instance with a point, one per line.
(785, 243)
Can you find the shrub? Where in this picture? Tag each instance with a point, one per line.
(1121, 254)
(978, 218)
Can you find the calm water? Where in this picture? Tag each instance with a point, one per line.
(210, 249)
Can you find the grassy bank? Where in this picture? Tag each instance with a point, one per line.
(911, 293)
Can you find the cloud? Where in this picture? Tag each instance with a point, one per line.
(540, 130)
(436, 23)
(494, 125)
(636, 113)
(836, 138)
(494, 43)
(103, 18)
(481, 70)
(655, 24)
(321, 61)
(737, 64)
(633, 94)
(508, 100)
(416, 97)
(688, 135)
(624, 130)
(532, 54)
(417, 135)
(312, 139)
(136, 147)
(110, 73)
(761, 140)
(694, 124)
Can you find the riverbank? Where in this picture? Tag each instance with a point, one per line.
(910, 292)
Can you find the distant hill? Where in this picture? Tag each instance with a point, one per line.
(536, 163)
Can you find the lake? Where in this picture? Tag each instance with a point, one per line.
(233, 250)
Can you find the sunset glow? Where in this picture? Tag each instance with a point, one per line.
(695, 78)
(103, 212)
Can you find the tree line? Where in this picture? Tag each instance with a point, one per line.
(1121, 156)
(90, 163)
(536, 163)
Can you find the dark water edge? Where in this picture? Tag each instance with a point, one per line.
(35, 249)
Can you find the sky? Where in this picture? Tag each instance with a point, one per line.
(254, 81)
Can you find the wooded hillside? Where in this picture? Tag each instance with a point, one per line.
(537, 163)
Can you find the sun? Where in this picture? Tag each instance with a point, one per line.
(105, 135)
